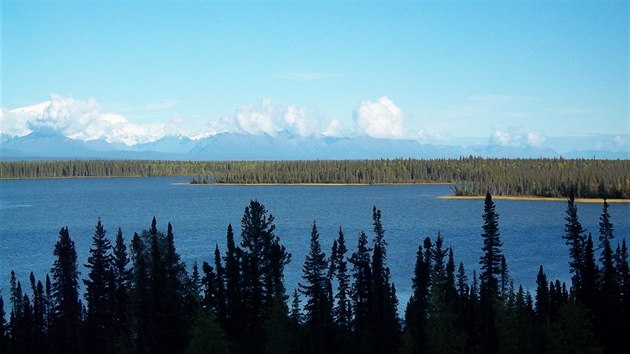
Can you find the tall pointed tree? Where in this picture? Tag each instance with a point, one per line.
(65, 293)
(122, 276)
(575, 239)
(4, 340)
(490, 260)
(318, 308)
(141, 289)
(416, 312)
(490, 263)
(383, 312)
(342, 311)
(361, 293)
(263, 262)
(99, 292)
(543, 296)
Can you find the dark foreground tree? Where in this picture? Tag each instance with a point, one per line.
(66, 318)
(318, 307)
(490, 263)
(99, 292)
(263, 260)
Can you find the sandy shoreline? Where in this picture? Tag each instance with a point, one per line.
(552, 199)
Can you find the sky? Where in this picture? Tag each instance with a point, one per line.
(522, 73)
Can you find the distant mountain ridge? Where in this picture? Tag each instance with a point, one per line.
(281, 146)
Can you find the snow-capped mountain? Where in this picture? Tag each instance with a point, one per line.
(238, 146)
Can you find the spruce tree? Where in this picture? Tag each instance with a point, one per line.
(66, 324)
(4, 341)
(141, 290)
(318, 308)
(361, 293)
(416, 312)
(234, 305)
(574, 238)
(122, 277)
(608, 280)
(543, 296)
(462, 282)
(589, 278)
(383, 312)
(39, 314)
(490, 262)
(220, 286)
(263, 262)
(99, 292)
(342, 311)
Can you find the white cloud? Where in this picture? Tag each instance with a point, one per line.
(269, 118)
(535, 138)
(77, 119)
(380, 119)
(517, 137)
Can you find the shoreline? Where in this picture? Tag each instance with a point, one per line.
(309, 184)
(534, 198)
(312, 184)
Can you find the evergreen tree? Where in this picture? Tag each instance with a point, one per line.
(39, 315)
(490, 262)
(263, 262)
(66, 324)
(623, 279)
(574, 238)
(543, 296)
(462, 282)
(505, 277)
(122, 276)
(589, 276)
(609, 284)
(361, 293)
(220, 287)
(4, 341)
(318, 308)
(99, 292)
(491, 258)
(607, 316)
(416, 312)
(451, 291)
(342, 311)
(207, 336)
(209, 287)
(442, 335)
(142, 305)
(296, 314)
(234, 306)
(383, 312)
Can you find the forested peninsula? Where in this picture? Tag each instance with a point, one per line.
(470, 176)
(141, 298)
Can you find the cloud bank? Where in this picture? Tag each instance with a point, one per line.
(517, 137)
(77, 119)
(380, 119)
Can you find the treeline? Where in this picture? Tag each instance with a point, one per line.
(140, 298)
(472, 175)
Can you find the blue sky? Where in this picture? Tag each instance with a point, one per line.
(448, 72)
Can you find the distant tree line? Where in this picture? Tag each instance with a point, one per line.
(141, 298)
(585, 178)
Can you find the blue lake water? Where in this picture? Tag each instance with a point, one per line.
(33, 211)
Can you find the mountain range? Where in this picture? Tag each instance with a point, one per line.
(280, 146)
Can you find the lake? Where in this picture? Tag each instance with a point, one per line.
(33, 211)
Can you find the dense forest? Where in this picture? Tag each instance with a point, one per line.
(139, 297)
(471, 175)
